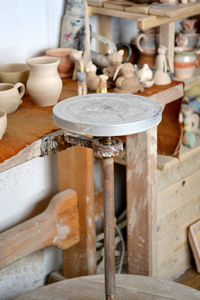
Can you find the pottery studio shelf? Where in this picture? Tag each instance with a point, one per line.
(147, 16)
(30, 123)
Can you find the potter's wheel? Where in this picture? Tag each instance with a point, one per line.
(108, 114)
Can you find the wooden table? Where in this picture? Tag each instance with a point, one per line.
(23, 140)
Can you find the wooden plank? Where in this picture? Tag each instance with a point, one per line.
(167, 37)
(181, 216)
(165, 162)
(141, 202)
(171, 198)
(172, 10)
(175, 265)
(145, 22)
(127, 287)
(105, 29)
(178, 172)
(98, 3)
(189, 278)
(75, 166)
(119, 14)
(119, 5)
(58, 225)
(171, 243)
(140, 8)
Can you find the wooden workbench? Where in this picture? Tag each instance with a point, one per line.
(22, 141)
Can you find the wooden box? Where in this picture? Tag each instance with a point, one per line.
(178, 206)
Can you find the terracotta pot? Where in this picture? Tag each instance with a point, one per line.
(44, 84)
(10, 96)
(3, 123)
(184, 62)
(66, 66)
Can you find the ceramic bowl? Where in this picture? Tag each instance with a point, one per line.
(66, 66)
(3, 122)
(13, 73)
(148, 84)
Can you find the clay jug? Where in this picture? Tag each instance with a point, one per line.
(44, 84)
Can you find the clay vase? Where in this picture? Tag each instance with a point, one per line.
(44, 84)
(184, 62)
(66, 66)
(3, 123)
(10, 96)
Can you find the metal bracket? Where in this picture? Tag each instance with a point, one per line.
(61, 140)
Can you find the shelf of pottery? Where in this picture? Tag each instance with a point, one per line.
(156, 26)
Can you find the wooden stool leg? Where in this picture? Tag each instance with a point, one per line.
(109, 228)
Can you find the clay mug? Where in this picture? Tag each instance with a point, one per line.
(147, 42)
(66, 65)
(185, 62)
(3, 123)
(10, 96)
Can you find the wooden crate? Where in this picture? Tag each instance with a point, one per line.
(178, 206)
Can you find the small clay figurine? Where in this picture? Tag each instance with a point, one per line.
(76, 57)
(190, 126)
(82, 85)
(127, 82)
(92, 79)
(145, 76)
(102, 87)
(161, 76)
(114, 59)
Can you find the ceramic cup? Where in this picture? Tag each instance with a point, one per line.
(3, 123)
(10, 96)
(184, 62)
(66, 66)
(14, 73)
(147, 43)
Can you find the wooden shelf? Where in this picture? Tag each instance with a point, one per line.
(147, 16)
(193, 81)
(30, 123)
(26, 128)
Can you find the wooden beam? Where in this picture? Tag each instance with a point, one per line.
(57, 225)
(141, 202)
(167, 39)
(76, 171)
(105, 29)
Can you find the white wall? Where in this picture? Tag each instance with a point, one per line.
(28, 28)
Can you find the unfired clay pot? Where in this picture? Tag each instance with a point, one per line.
(184, 62)
(66, 65)
(3, 123)
(10, 96)
(44, 84)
